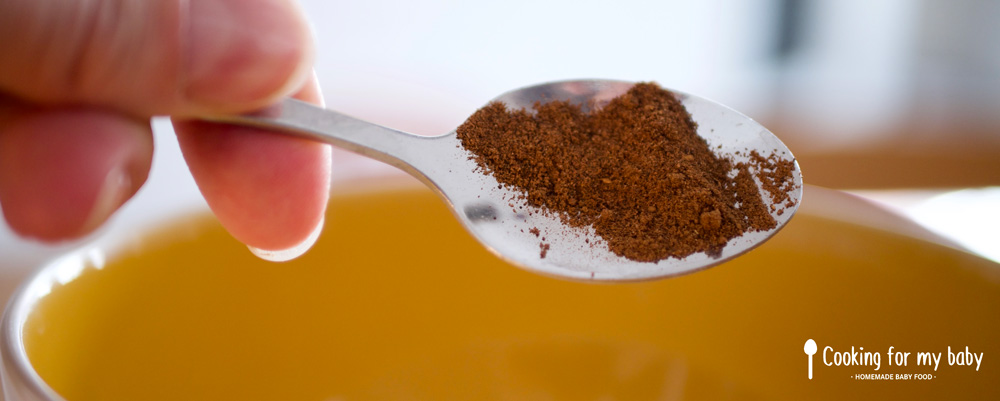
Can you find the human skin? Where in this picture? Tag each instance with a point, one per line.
(80, 79)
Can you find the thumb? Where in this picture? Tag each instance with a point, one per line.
(178, 57)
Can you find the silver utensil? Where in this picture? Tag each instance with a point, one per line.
(484, 208)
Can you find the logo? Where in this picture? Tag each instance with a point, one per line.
(900, 365)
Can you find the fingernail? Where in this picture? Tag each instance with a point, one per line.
(116, 189)
(290, 253)
(245, 53)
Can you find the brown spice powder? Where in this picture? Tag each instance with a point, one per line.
(635, 169)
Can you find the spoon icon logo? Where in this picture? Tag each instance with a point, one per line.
(810, 349)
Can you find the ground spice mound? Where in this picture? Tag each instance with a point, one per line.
(634, 169)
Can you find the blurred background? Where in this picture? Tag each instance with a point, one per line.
(894, 100)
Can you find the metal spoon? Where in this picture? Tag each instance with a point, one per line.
(485, 209)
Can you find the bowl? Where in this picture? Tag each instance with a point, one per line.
(396, 301)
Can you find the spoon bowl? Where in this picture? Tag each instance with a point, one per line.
(498, 217)
(810, 347)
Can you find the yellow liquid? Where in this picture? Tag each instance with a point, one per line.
(396, 301)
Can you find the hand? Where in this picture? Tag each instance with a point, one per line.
(79, 81)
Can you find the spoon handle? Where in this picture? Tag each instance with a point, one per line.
(810, 367)
(305, 120)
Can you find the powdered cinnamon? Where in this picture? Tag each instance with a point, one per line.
(635, 170)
